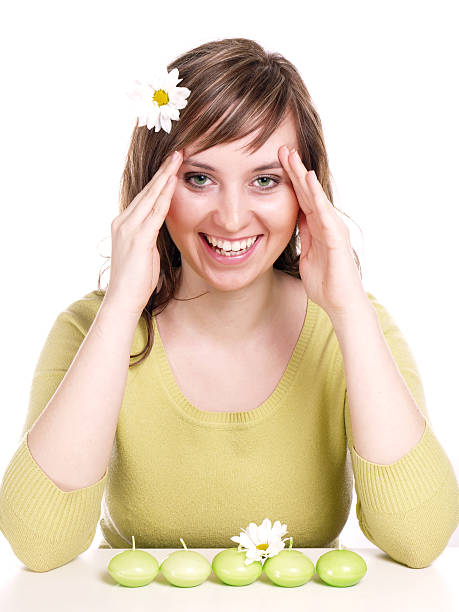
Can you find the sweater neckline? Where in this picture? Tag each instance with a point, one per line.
(194, 414)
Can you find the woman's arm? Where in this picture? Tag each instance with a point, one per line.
(400, 489)
(72, 438)
(386, 422)
(50, 494)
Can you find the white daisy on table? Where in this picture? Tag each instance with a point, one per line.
(261, 541)
(159, 100)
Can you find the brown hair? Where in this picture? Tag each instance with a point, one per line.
(236, 88)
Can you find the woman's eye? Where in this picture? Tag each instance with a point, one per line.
(203, 177)
(200, 176)
(261, 178)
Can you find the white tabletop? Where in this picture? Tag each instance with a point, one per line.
(85, 584)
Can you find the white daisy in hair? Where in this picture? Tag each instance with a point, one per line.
(159, 100)
(261, 541)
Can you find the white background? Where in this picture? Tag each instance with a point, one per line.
(383, 76)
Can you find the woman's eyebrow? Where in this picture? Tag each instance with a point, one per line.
(198, 164)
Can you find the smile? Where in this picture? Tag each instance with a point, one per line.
(229, 257)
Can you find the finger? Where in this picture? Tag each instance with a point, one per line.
(156, 216)
(171, 163)
(144, 201)
(305, 235)
(297, 175)
(310, 186)
(315, 186)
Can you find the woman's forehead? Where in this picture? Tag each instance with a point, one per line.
(285, 134)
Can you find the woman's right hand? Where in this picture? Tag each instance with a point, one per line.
(135, 260)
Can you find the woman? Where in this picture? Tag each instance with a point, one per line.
(266, 380)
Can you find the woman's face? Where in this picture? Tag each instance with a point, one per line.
(233, 201)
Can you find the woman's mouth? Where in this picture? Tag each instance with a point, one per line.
(229, 256)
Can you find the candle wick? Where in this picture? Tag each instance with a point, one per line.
(183, 544)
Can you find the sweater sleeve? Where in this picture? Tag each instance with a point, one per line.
(46, 526)
(409, 508)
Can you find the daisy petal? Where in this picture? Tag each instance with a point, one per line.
(179, 94)
(246, 541)
(153, 116)
(279, 529)
(165, 122)
(161, 80)
(264, 530)
(172, 112)
(275, 548)
(253, 553)
(172, 78)
(177, 102)
(266, 524)
(252, 530)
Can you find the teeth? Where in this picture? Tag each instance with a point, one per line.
(226, 245)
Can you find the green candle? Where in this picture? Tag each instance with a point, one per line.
(133, 568)
(229, 565)
(185, 568)
(289, 568)
(341, 568)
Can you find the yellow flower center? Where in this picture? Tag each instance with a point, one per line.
(161, 97)
(262, 546)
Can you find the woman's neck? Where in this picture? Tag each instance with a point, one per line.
(227, 317)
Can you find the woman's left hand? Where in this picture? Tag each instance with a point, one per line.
(327, 267)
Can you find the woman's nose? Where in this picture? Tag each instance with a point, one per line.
(233, 211)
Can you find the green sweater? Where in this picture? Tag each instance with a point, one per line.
(179, 472)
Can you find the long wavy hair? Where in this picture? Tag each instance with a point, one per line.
(237, 88)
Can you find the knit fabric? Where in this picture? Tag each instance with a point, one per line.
(179, 472)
